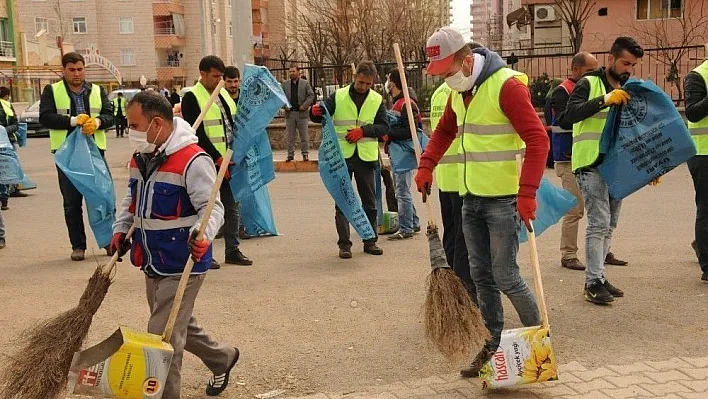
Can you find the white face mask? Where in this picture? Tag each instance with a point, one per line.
(138, 140)
(388, 86)
(460, 82)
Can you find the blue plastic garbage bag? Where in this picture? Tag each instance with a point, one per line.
(553, 203)
(10, 168)
(78, 157)
(26, 184)
(645, 139)
(257, 214)
(335, 176)
(22, 134)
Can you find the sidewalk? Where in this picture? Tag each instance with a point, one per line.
(677, 378)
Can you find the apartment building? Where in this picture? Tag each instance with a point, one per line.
(162, 40)
(8, 36)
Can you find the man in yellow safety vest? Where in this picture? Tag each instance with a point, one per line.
(360, 120)
(587, 110)
(64, 105)
(215, 135)
(490, 109)
(696, 89)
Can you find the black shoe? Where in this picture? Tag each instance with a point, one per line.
(238, 258)
(4, 207)
(345, 253)
(305, 157)
(704, 277)
(611, 260)
(18, 194)
(242, 233)
(400, 236)
(218, 383)
(572, 264)
(479, 361)
(373, 249)
(614, 291)
(214, 264)
(289, 159)
(597, 293)
(3, 244)
(416, 229)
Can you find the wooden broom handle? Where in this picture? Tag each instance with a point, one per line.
(169, 327)
(205, 109)
(411, 125)
(536, 266)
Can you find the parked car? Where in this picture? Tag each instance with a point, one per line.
(127, 94)
(30, 116)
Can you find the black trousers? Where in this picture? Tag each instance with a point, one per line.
(365, 176)
(698, 166)
(73, 213)
(121, 123)
(454, 240)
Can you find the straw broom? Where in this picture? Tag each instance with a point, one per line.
(453, 324)
(40, 368)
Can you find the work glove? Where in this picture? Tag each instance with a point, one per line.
(655, 182)
(198, 248)
(90, 126)
(218, 162)
(424, 181)
(81, 119)
(617, 97)
(121, 244)
(317, 110)
(355, 135)
(526, 206)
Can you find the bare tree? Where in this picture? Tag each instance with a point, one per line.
(575, 14)
(673, 36)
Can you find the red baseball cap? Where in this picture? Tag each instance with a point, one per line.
(441, 49)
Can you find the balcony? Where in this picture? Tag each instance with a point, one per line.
(171, 70)
(166, 35)
(7, 51)
(165, 8)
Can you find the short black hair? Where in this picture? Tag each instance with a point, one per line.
(120, 94)
(231, 72)
(395, 77)
(153, 104)
(72, 58)
(367, 68)
(4, 92)
(211, 62)
(627, 43)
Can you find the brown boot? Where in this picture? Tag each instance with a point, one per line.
(572, 264)
(78, 255)
(611, 260)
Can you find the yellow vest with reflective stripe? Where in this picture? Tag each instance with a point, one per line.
(587, 133)
(62, 102)
(213, 121)
(346, 117)
(115, 106)
(699, 130)
(489, 142)
(7, 107)
(446, 173)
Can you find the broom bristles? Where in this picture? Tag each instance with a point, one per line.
(453, 324)
(40, 368)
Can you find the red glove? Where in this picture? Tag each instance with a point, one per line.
(317, 110)
(385, 138)
(355, 135)
(197, 248)
(526, 206)
(120, 244)
(424, 181)
(218, 162)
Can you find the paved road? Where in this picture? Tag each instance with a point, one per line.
(291, 313)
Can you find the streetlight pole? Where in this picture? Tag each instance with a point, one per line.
(242, 35)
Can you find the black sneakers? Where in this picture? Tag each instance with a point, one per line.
(614, 291)
(218, 383)
(479, 361)
(597, 293)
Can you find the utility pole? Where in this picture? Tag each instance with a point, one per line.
(242, 35)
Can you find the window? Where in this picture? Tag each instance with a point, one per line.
(40, 23)
(657, 9)
(79, 24)
(126, 25)
(127, 57)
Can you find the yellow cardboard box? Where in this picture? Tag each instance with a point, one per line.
(129, 364)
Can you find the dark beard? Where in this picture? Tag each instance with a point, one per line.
(620, 78)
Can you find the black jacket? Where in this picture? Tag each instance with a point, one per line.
(401, 131)
(190, 113)
(580, 106)
(696, 97)
(50, 119)
(376, 130)
(559, 102)
(10, 123)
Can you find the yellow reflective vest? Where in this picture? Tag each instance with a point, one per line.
(489, 143)
(346, 117)
(699, 130)
(446, 173)
(62, 102)
(587, 133)
(120, 106)
(213, 122)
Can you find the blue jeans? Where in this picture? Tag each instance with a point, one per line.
(491, 227)
(603, 213)
(407, 217)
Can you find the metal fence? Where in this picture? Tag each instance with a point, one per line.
(653, 67)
